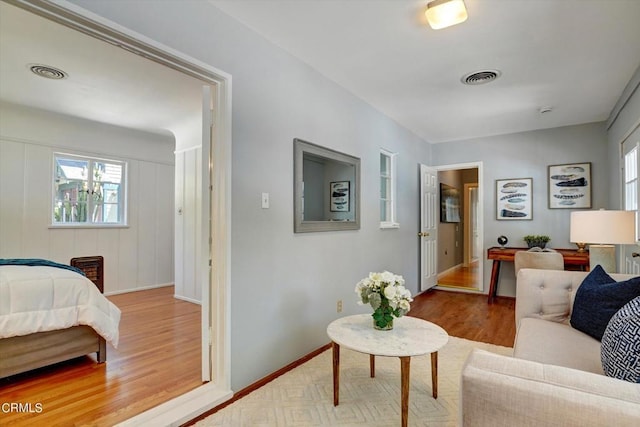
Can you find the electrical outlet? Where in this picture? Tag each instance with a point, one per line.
(339, 306)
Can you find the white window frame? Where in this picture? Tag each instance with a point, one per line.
(391, 176)
(123, 199)
(630, 182)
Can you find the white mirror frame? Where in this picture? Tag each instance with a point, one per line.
(301, 147)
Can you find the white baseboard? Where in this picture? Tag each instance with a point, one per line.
(183, 408)
(143, 288)
(459, 289)
(187, 299)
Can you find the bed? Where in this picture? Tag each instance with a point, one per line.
(51, 312)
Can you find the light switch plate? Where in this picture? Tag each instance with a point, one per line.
(265, 200)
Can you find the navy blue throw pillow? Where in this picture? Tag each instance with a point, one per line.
(598, 298)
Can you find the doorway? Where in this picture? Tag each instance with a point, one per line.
(212, 246)
(459, 246)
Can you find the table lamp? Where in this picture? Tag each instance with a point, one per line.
(602, 230)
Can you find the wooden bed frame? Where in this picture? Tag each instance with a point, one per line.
(24, 353)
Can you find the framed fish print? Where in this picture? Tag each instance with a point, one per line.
(339, 196)
(514, 198)
(570, 186)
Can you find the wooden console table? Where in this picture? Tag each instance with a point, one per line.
(573, 260)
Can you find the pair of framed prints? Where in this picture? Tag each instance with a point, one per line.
(569, 188)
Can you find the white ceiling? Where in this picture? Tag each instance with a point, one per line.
(573, 55)
(105, 84)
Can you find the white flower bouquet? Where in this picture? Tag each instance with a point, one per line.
(386, 294)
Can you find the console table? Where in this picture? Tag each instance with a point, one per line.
(573, 260)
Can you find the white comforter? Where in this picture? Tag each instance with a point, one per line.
(38, 299)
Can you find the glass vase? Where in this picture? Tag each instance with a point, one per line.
(388, 327)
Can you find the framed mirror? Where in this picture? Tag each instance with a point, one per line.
(326, 189)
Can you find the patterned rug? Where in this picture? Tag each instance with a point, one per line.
(304, 396)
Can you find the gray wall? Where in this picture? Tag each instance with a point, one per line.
(313, 181)
(284, 286)
(527, 155)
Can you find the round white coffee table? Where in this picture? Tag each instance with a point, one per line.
(410, 336)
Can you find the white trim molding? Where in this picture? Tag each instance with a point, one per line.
(209, 395)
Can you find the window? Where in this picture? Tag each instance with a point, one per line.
(88, 191)
(631, 182)
(631, 179)
(387, 189)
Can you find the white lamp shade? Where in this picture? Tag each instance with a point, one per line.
(603, 227)
(445, 13)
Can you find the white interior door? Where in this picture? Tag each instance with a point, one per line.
(428, 233)
(205, 227)
(631, 196)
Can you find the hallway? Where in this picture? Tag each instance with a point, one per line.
(462, 277)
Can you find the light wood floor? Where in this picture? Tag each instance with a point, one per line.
(467, 277)
(158, 358)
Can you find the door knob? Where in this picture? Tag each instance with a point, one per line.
(635, 254)
(423, 234)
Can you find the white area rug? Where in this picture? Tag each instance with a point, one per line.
(304, 396)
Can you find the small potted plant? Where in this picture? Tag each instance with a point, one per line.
(539, 241)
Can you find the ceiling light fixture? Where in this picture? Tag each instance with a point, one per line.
(445, 13)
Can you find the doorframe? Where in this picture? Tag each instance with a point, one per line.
(214, 264)
(472, 165)
(626, 262)
(467, 257)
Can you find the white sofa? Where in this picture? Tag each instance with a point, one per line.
(555, 377)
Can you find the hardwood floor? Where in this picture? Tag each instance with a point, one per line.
(467, 315)
(158, 358)
(461, 277)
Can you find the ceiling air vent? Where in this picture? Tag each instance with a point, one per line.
(47, 72)
(480, 77)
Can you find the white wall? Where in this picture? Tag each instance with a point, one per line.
(136, 257)
(188, 185)
(284, 286)
(626, 119)
(527, 155)
(187, 207)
